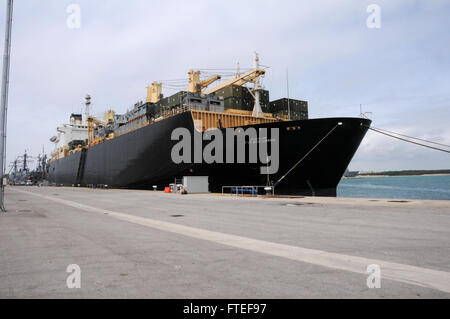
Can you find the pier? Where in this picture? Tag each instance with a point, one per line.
(148, 244)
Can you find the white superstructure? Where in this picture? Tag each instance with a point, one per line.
(75, 131)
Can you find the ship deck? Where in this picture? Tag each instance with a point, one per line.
(144, 244)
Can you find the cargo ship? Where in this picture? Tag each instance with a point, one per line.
(136, 150)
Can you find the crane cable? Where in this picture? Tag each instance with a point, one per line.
(310, 151)
(405, 140)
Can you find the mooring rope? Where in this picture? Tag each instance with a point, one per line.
(414, 138)
(301, 160)
(405, 140)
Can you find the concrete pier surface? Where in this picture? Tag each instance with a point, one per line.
(144, 244)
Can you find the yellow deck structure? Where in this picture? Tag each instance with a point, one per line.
(206, 120)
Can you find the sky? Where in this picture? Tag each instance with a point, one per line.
(400, 72)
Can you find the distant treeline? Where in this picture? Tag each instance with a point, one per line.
(411, 172)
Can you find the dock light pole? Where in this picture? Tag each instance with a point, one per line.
(4, 99)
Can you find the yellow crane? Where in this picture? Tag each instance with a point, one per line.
(239, 80)
(195, 85)
(154, 92)
(91, 121)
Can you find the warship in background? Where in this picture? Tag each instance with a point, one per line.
(20, 172)
(133, 150)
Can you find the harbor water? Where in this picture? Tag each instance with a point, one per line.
(408, 187)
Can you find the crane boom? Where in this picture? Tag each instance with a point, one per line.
(195, 85)
(239, 80)
(208, 82)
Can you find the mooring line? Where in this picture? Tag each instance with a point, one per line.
(412, 137)
(405, 140)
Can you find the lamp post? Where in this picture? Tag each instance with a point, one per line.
(4, 98)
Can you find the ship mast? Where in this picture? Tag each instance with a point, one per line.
(88, 105)
(25, 167)
(257, 111)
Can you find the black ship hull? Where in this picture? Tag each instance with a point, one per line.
(142, 158)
